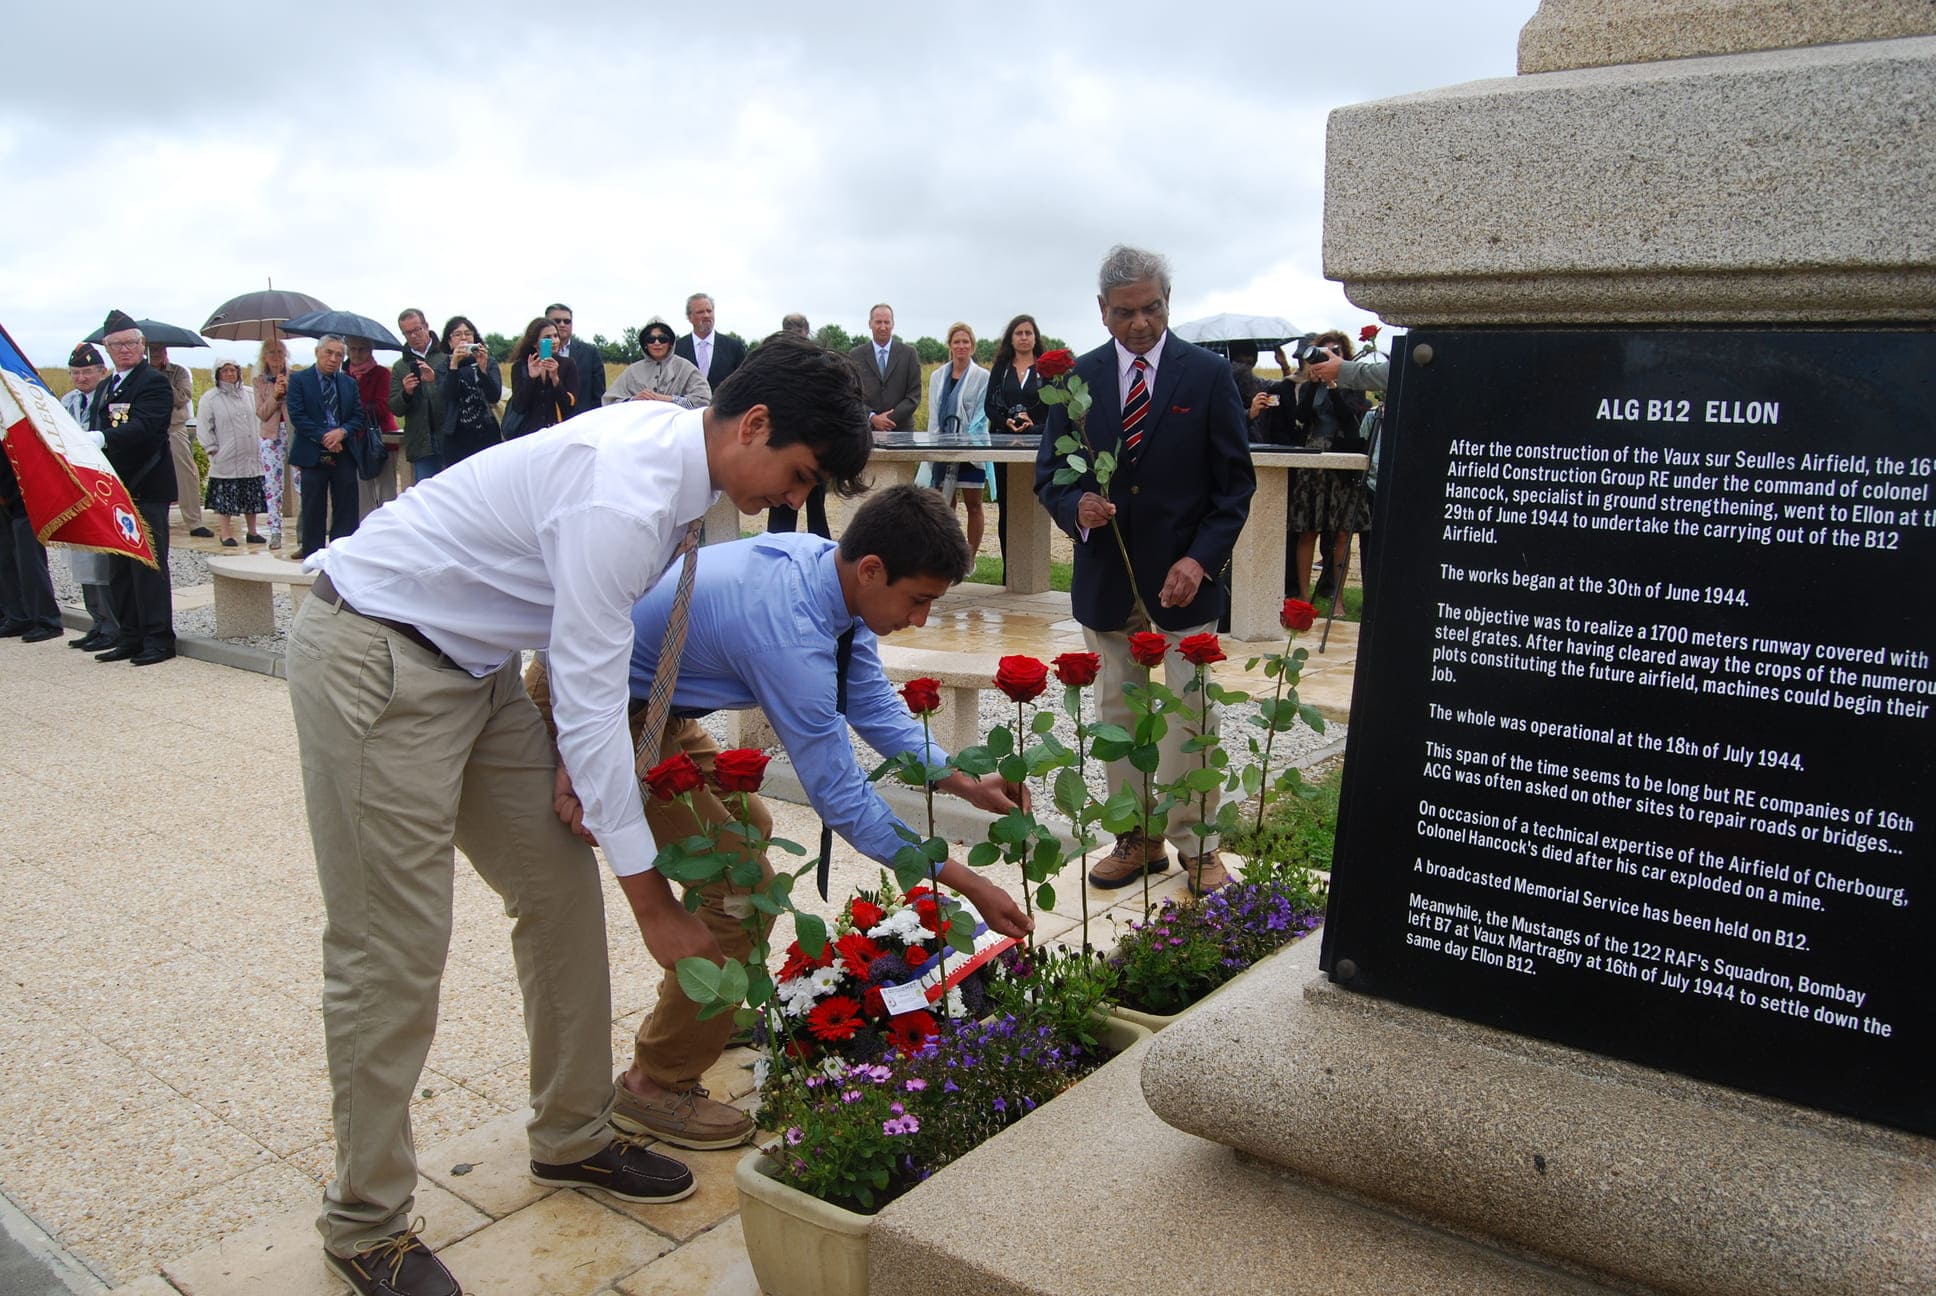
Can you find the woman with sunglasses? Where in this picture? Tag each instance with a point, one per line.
(661, 376)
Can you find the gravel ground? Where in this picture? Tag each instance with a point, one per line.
(186, 567)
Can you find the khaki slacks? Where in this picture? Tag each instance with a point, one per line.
(402, 756)
(1119, 668)
(188, 478)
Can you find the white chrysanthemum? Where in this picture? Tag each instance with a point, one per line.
(903, 925)
(762, 1068)
(823, 980)
(957, 1006)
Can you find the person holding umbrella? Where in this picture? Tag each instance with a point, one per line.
(326, 410)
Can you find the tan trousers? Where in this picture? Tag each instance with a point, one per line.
(188, 478)
(674, 1047)
(1119, 668)
(402, 757)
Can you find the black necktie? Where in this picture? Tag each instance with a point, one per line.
(843, 654)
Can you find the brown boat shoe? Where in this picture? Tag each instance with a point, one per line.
(1205, 873)
(688, 1118)
(1134, 856)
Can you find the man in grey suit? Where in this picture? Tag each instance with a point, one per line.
(890, 373)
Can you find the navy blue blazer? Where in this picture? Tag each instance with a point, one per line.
(1187, 496)
(305, 407)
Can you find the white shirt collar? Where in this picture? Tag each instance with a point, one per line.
(1125, 358)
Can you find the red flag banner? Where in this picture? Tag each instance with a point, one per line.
(71, 493)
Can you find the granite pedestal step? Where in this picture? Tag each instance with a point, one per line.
(1094, 1194)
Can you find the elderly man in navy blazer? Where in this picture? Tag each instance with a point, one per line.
(1171, 414)
(325, 411)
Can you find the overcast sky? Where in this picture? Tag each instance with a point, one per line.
(489, 159)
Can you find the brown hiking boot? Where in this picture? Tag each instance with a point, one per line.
(687, 1117)
(1205, 872)
(1134, 856)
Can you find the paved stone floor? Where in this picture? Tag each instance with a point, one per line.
(162, 1081)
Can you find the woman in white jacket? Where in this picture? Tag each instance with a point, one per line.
(957, 392)
(227, 426)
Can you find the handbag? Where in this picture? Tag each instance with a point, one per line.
(366, 447)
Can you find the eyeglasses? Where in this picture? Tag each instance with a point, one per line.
(134, 345)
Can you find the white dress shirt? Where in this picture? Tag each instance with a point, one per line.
(546, 541)
(1125, 365)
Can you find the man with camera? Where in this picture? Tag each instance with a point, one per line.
(588, 388)
(415, 396)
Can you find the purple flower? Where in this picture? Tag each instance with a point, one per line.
(793, 1136)
(916, 1085)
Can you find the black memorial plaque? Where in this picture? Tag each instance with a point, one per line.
(1641, 748)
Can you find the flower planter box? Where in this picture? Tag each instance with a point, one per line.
(803, 1246)
(1153, 1022)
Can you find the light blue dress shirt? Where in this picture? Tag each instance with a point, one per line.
(766, 616)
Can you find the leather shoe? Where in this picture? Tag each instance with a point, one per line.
(13, 629)
(92, 641)
(202, 533)
(41, 634)
(624, 1168)
(1206, 873)
(1134, 856)
(153, 656)
(120, 652)
(398, 1265)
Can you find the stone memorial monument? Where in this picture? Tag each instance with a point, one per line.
(1629, 958)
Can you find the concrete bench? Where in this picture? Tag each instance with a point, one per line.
(962, 676)
(245, 592)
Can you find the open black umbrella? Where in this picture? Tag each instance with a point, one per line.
(343, 324)
(253, 316)
(158, 333)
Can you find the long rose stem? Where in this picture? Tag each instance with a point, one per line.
(1270, 735)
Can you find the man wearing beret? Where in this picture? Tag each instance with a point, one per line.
(87, 369)
(131, 411)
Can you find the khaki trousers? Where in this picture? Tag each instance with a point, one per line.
(188, 478)
(402, 756)
(1118, 669)
(674, 1047)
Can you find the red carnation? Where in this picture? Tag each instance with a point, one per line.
(673, 776)
(1053, 364)
(866, 914)
(1022, 678)
(915, 955)
(857, 951)
(911, 1030)
(1148, 647)
(1297, 615)
(741, 769)
(872, 1005)
(834, 1019)
(923, 696)
(1369, 333)
(1077, 669)
(1200, 649)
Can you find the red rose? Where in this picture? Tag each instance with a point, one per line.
(1148, 648)
(923, 696)
(1053, 364)
(1200, 649)
(1022, 678)
(866, 914)
(673, 776)
(1297, 615)
(914, 956)
(834, 1019)
(1077, 669)
(857, 951)
(741, 769)
(910, 1031)
(1369, 333)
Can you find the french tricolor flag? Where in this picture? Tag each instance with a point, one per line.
(72, 494)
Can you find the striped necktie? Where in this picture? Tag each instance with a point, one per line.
(658, 703)
(1136, 409)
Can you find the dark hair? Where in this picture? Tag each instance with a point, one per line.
(1005, 353)
(814, 397)
(529, 342)
(407, 312)
(911, 531)
(560, 306)
(671, 334)
(1334, 337)
(443, 338)
(1243, 353)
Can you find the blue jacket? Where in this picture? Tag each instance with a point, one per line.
(305, 407)
(1187, 496)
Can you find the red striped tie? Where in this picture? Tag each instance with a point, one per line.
(1135, 409)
